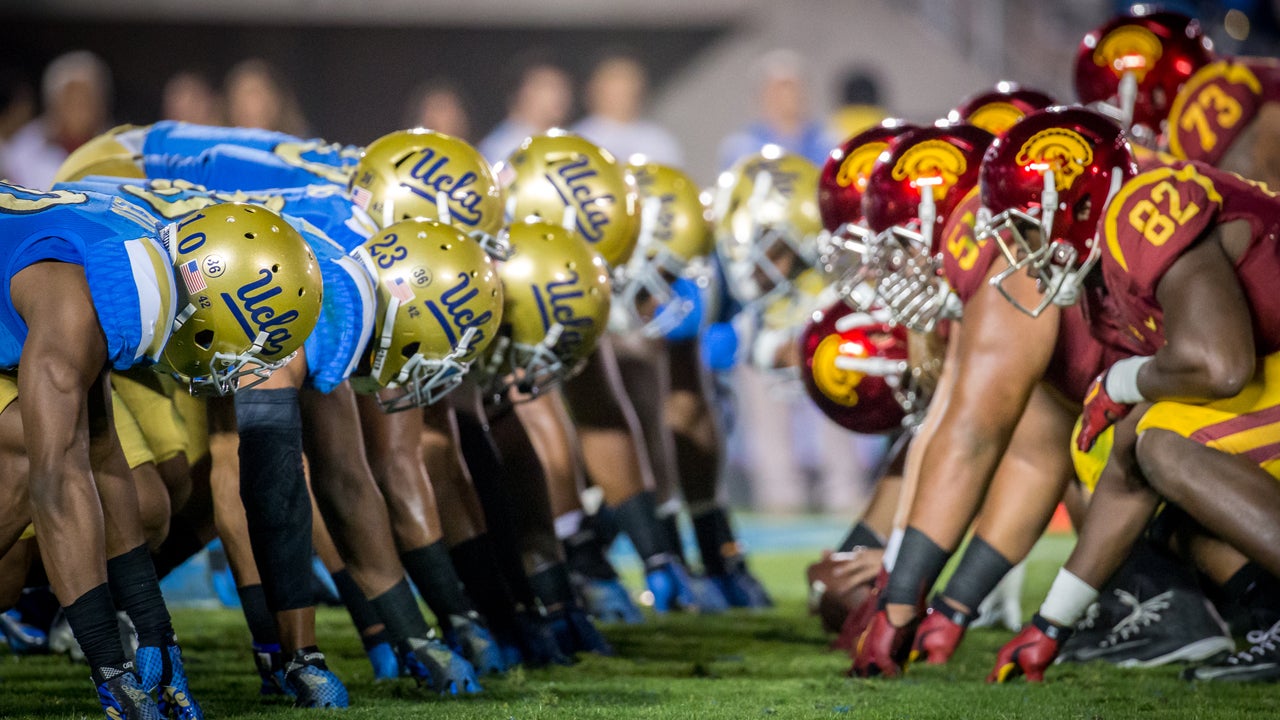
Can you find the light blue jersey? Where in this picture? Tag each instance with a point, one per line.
(129, 271)
(335, 347)
(169, 149)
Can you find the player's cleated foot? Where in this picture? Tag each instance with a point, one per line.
(386, 666)
(312, 683)
(607, 600)
(469, 637)
(1175, 626)
(856, 622)
(539, 643)
(122, 696)
(160, 669)
(707, 595)
(1260, 663)
(741, 589)
(671, 588)
(883, 650)
(939, 634)
(1029, 652)
(576, 633)
(435, 666)
(23, 639)
(270, 664)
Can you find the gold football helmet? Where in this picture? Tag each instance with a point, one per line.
(249, 290)
(674, 243)
(766, 209)
(439, 305)
(556, 306)
(422, 173)
(103, 155)
(564, 179)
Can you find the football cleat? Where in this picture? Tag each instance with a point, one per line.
(270, 664)
(469, 637)
(575, 633)
(1029, 652)
(539, 642)
(23, 639)
(856, 622)
(883, 650)
(386, 666)
(741, 589)
(940, 633)
(1175, 626)
(435, 666)
(312, 683)
(122, 696)
(160, 670)
(672, 588)
(1260, 663)
(607, 600)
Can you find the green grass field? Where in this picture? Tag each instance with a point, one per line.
(739, 665)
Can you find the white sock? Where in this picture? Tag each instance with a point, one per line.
(1068, 598)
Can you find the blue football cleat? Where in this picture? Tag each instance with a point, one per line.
(540, 644)
(708, 596)
(312, 683)
(470, 638)
(160, 670)
(386, 666)
(122, 696)
(608, 601)
(576, 633)
(270, 664)
(672, 588)
(435, 666)
(23, 639)
(742, 589)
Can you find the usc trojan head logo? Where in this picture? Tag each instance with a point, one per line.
(857, 165)
(1063, 151)
(841, 386)
(932, 163)
(1130, 48)
(995, 117)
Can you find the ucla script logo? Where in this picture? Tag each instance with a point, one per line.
(571, 179)
(452, 312)
(432, 178)
(251, 308)
(555, 304)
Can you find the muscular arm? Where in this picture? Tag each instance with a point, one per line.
(1210, 352)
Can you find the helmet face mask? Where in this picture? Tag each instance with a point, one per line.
(907, 276)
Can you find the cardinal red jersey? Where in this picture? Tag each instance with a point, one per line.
(1077, 356)
(1154, 219)
(1217, 104)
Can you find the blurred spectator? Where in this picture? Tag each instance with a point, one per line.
(190, 97)
(439, 106)
(784, 119)
(860, 104)
(615, 99)
(17, 102)
(257, 97)
(541, 99)
(76, 90)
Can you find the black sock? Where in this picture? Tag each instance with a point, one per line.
(552, 588)
(476, 566)
(920, 561)
(135, 589)
(1257, 591)
(981, 568)
(670, 526)
(92, 618)
(262, 623)
(432, 572)
(638, 518)
(363, 614)
(585, 554)
(861, 535)
(716, 542)
(399, 610)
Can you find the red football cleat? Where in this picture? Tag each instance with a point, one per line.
(883, 649)
(1029, 652)
(857, 621)
(940, 634)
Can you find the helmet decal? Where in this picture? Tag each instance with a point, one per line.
(841, 386)
(1062, 150)
(995, 117)
(856, 166)
(1129, 48)
(932, 163)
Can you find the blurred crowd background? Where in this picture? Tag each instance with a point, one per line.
(695, 84)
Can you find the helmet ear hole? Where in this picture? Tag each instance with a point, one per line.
(204, 339)
(410, 349)
(1084, 208)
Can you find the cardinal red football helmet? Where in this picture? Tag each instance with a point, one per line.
(910, 194)
(997, 109)
(1054, 172)
(855, 369)
(1131, 68)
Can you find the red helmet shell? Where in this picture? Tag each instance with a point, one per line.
(997, 109)
(844, 176)
(1083, 148)
(1162, 49)
(945, 158)
(856, 401)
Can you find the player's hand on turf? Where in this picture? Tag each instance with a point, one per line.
(1100, 413)
(1030, 652)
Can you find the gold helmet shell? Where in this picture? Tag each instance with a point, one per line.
(103, 155)
(765, 205)
(555, 309)
(549, 173)
(422, 173)
(678, 227)
(439, 305)
(249, 289)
